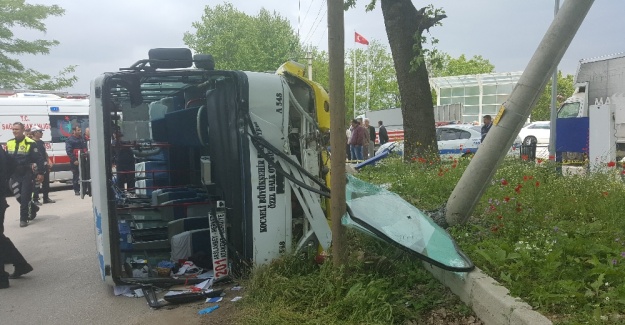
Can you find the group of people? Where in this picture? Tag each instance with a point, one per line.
(24, 164)
(361, 139)
(20, 166)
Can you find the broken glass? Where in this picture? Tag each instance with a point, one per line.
(385, 215)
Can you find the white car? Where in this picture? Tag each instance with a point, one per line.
(537, 132)
(453, 140)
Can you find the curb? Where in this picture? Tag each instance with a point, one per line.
(490, 301)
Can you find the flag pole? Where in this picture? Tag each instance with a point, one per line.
(354, 51)
(368, 61)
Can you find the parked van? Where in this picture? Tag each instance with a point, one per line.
(55, 115)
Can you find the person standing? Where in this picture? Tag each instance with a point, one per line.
(24, 151)
(8, 251)
(357, 140)
(488, 123)
(382, 134)
(73, 146)
(372, 136)
(348, 134)
(37, 133)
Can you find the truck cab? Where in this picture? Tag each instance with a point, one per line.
(187, 162)
(577, 104)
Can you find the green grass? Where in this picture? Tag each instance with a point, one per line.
(381, 286)
(557, 242)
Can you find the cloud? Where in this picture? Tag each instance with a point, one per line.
(107, 35)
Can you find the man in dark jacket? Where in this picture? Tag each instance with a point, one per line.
(371, 137)
(75, 144)
(382, 134)
(24, 151)
(8, 251)
(37, 134)
(488, 123)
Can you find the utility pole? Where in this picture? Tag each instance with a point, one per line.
(336, 55)
(514, 112)
(554, 109)
(310, 62)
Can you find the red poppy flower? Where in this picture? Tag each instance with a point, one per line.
(539, 161)
(604, 193)
(518, 188)
(525, 178)
(537, 184)
(499, 217)
(611, 164)
(413, 159)
(504, 182)
(506, 199)
(524, 157)
(440, 174)
(453, 166)
(494, 229)
(492, 208)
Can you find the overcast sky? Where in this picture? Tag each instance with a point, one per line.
(102, 36)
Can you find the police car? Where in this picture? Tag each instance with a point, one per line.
(456, 140)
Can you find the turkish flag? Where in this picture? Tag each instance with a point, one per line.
(359, 39)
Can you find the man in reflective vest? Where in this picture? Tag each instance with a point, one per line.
(25, 153)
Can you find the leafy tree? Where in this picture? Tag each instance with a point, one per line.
(17, 13)
(405, 27)
(441, 64)
(383, 90)
(243, 42)
(542, 110)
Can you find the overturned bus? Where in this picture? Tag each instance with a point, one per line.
(227, 169)
(188, 161)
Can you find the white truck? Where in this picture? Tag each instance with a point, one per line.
(597, 80)
(591, 123)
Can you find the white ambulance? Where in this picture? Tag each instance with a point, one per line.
(55, 115)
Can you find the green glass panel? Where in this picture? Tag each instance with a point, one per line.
(490, 109)
(445, 92)
(475, 100)
(457, 91)
(471, 109)
(505, 89)
(386, 216)
(489, 90)
(445, 100)
(472, 91)
(489, 99)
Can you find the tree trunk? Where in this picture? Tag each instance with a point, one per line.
(404, 27)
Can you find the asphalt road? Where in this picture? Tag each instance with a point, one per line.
(65, 287)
